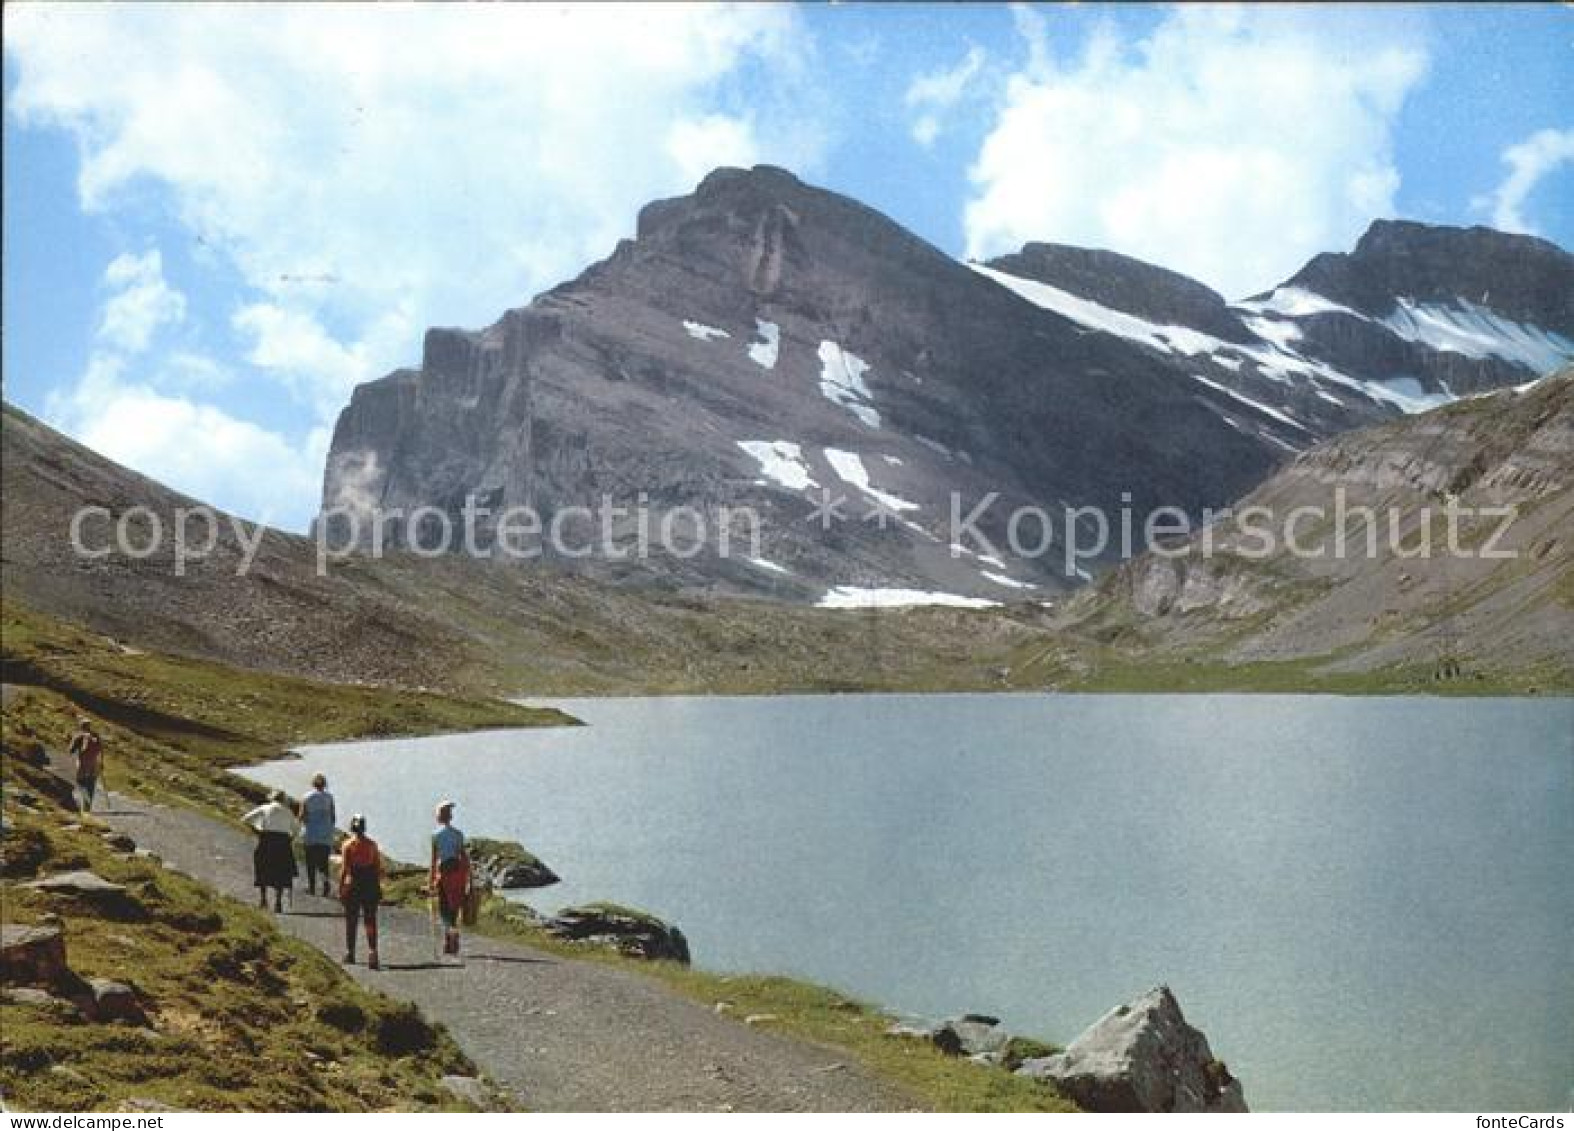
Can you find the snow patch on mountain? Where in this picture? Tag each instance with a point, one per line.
(1475, 331)
(1007, 582)
(781, 461)
(842, 382)
(1168, 339)
(765, 351)
(850, 466)
(1297, 302)
(1266, 410)
(702, 332)
(769, 566)
(856, 597)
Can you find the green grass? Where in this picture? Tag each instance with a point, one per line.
(172, 726)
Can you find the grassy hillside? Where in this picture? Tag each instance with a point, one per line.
(241, 1016)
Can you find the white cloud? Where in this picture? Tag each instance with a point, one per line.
(698, 145)
(437, 162)
(194, 447)
(141, 302)
(933, 94)
(1231, 144)
(366, 171)
(1529, 162)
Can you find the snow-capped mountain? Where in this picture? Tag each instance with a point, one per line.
(769, 345)
(1415, 317)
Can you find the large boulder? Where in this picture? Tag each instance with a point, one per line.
(32, 956)
(630, 932)
(507, 865)
(1142, 1057)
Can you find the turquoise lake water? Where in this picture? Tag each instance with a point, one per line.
(1365, 903)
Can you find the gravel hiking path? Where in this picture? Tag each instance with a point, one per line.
(561, 1035)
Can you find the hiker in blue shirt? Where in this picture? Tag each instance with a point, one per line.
(450, 876)
(317, 817)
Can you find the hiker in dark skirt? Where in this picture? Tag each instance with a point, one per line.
(450, 876)
(273, 861)
(360, 888)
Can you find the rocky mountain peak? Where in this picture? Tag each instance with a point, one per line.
(1520, 277)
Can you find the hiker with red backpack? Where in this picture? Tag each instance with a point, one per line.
(450, 875)
(360, 889)
(88, 750)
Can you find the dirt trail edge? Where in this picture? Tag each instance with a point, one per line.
(561, 1035)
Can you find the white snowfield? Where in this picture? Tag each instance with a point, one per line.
(1169, 339)
(1475, 331)
(850, 466)
(854, 597)
(842, 382)
(703, 332)
(765, 351)
(1464, 328)
(781, 462)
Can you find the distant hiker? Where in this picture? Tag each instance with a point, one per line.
(360, 888)
(273, 862)
(88, 750)
(317, 818)
(450, 878)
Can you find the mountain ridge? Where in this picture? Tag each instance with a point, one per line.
(761, 340)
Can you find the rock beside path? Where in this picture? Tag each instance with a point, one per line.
(1142, 1057)
(632, 932)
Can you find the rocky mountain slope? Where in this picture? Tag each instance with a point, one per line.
(452, 623)
(761, 341)
(1372, 579)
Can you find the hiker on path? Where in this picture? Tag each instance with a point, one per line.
(360, 889)
(273, 862)
(88, 750)
(317, 817)
(450, 877)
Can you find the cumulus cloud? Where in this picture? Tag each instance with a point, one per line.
(698, 145)
(1529, 163)
(1230, 144)
(141, 302)
(932, 95)
(195, 447)
(366, 171)
(444, 162)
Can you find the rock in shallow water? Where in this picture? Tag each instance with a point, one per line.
(1142, 1057)
(507, 865)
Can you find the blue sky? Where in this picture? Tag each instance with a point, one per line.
(218, 220)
